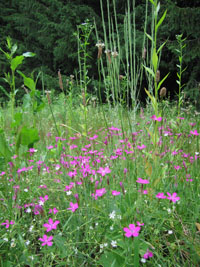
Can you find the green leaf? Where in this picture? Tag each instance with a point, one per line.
(161, 47)
(161, 20)
(136, 251)
(158, 8)
(113, 259)
(4, 91)
(149, 36)
(160, 83)
(153, 2)
(29, 54)
(15, 62)
(178, 82)
(178, 75)
(4, 148)
(29, 82)
(27, 137)
(155, 60)
(17, 120)
(150, 71)
(14, 49)
(8, 56)
(153, 101)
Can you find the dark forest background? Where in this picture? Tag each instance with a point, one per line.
(47, 27)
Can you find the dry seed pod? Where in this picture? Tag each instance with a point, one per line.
(157, 76)
(60, 81)
(100, 46)
(163, 92)
(108, 53)
(144, 53)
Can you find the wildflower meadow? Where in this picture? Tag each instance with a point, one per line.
(87, 182)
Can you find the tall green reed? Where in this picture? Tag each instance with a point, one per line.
(122, 71)
(83, 33)
(153, 70)
(179, 52)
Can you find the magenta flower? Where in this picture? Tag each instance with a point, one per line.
(173, 197)
(161, 195)
(51, 225)
(132, 230)
(103, 171)
(73, 206)
(142, 181)
(115, 193)
(38, 209)
(154, 118)
(99, 193)
(7, 223)
(141, 147)
(177, 167)
(54, 210)
(46, 240)
(140, 224)
(194, 132)
(148, 254)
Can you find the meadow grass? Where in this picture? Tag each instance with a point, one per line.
(110, 198)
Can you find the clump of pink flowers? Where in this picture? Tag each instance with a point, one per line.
(7, 223)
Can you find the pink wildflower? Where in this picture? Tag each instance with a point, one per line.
(115, 193)
(141, 147)
(46, 240)
(54, 210)
(154, 118)
(173, 197)
(148, 254)
(73, 206)
(132, 230)
(103, 171)
(142, 181)
(51, 225)
(7, 223)
(177, 167)
(161, 195)
(194, 132)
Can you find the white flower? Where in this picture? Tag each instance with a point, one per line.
(119, 217)
(68, 193)
(101, 246)
(105, 244)
(27, 242)
(5, 239)
(28, 210)
(41, 203)
(31, 228)
(114, 244)
(25, 190)
(112, 214)
(169, 211)
(143, 260)
(111, 228)
(170, 232)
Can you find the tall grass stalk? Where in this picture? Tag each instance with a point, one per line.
(179, 52)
